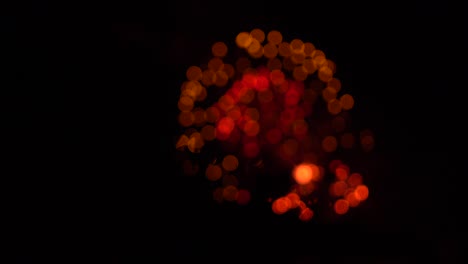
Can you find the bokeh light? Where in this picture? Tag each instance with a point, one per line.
(266, 105)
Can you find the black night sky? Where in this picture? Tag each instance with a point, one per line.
(94, 114)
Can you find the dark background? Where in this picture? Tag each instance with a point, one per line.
(93, 113)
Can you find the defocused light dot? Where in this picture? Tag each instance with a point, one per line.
(209, 77)
(251, 128)
(298, 58)
(230, 163)
(338, 188)
(243, 40)
(325, 74)
(297, 45)
(304, 173)
(182, 142)
(361, 192)
(199, 117)
(347, 101)
(191, 89)
(246, 95)
(308, 49)
(221, 79)
(212, 114)
(213, 172)
(351, 197)
(219, 49)
(335, 84)
(332, 65)
(334, 106)
(306, 214)
(185, 103)
(225, 125)
(215, 64)
(208, 132)
(270, 50)
(333, 165)
(342, 172)
(347, 140)
(288, 64)
(290, 147)
(226, 102)
(194, 73)
(309, 66)
(195, 143)
(328, 94)
(355, 179)
(229, 70)
(230, 193)
(281, 205)
(329, 144)
(274, 64)
(254, 47)
(284, 49)
(230, 179)
(243, 197)
(251, 149)
(186, 119)
(319, 57)
(258, 34)
(300, 73)
(341, 206)
(277, 77)
(294, 198)
(275, 37)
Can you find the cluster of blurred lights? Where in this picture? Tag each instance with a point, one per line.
(276, 99)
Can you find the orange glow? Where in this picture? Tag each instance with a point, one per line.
(199, 117)
(185, 103)
(281, 205)
(219, 49)
(294, 198)
(329, 144)
(331, 65)
(352, 199)
(208, 132)
(209, 77)
(347, 101)
(342, 172)
(234, 113)
(182, 142)
(243, 40)
(325, 74)
(212, 114)
(226, 102)
(309, 49)
(341, 206)
(335, 84)
(355, 179)
(300, 73)
(191, 89)
(215, 64)
(334, 106)
(195, 142)
(258, 34)
(202, 95)
(347, 140)
(194, 73)
(213, 172)
(338, 188)
(274, 64)
(306, 214)
(230, 163)
(298, 58)
(275, 37)
(229, 70)
(277, 77)
(304, 173)
(254, 47)
(251, 128)
(309, 66)
(328, 94)
(297, 45)
(221, 79)
(284, 49)
(270, 50)
(186, 119)
(362, 192)
(230, 193)
(243, 197)
(319, 57)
